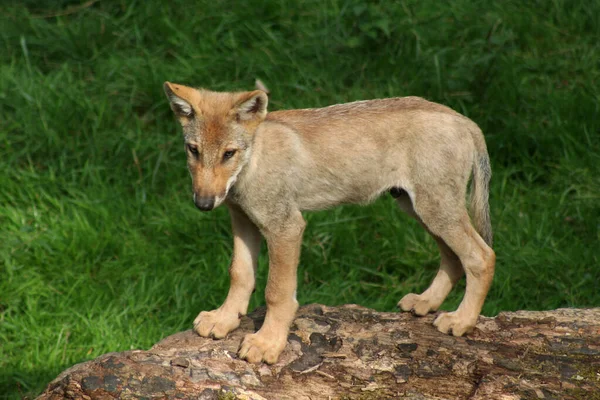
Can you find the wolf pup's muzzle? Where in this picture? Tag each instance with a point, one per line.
(204, 203)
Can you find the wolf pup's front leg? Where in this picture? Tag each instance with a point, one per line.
(246, 245)
(283, 242)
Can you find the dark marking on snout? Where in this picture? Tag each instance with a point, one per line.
(397, 192)
(204, 203)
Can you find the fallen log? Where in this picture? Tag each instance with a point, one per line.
(351, 352)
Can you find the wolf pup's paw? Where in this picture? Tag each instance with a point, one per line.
(417, 304)
(216, 323)
(259, 347)
(454, 324)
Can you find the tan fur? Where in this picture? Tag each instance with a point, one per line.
(287, 162)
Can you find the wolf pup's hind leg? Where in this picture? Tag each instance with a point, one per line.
(451, 224)
(449, 273)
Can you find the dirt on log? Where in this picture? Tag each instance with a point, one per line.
(351, 352)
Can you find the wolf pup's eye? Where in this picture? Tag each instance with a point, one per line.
(228, 154)
(193, 149)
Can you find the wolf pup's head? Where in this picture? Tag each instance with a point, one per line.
(218, 129)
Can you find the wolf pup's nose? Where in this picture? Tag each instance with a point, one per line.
(204, 203)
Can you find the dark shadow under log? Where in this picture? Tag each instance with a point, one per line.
(350, 352)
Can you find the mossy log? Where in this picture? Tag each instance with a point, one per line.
(351, 352)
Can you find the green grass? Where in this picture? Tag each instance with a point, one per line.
(101, 248)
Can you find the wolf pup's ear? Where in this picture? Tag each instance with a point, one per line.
(261, 86)
(177, 97)
(252, 106)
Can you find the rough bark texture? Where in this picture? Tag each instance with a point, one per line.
(351, 352)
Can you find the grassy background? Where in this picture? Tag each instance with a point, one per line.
(101, 248)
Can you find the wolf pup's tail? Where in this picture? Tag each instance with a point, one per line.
(480, 186)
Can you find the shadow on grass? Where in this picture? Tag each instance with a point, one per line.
(20, 384)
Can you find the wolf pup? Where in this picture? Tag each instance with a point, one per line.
(269, 167)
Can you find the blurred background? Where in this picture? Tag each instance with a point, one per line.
(101, 247)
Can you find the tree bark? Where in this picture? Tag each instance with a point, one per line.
(351, 352)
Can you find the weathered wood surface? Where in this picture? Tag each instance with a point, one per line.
(351, 352)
